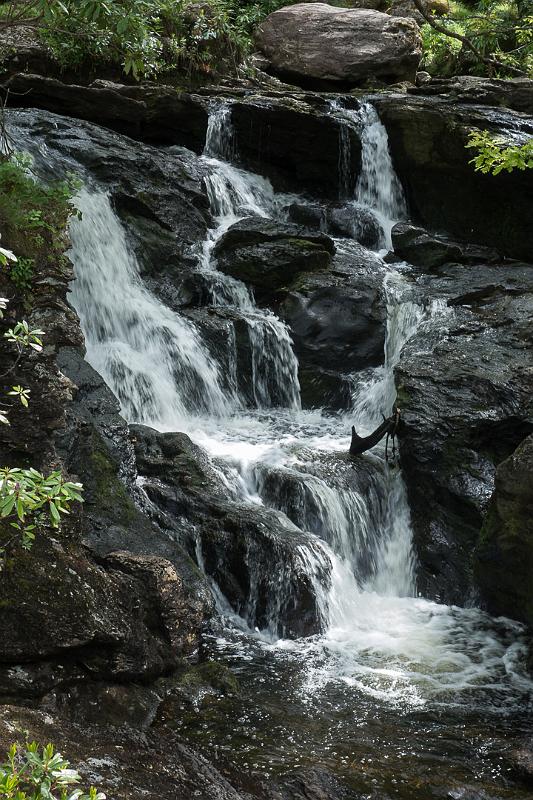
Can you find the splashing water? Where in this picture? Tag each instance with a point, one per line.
(381, 641)
(152, 359)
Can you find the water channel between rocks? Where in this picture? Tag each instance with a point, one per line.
(401, 695)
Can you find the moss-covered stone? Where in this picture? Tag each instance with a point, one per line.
(211, 674)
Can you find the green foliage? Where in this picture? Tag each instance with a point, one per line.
(495, 155)
(41, 774)
(147, 38)
(28, 498)
(21, 273)
(500, 29)
(33, 217)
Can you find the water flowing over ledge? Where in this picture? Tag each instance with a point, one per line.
(383, 649)
(380, 637)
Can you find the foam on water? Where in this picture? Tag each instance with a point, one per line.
(380, 638)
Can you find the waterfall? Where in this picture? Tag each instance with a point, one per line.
(378, 187)
(234, 194)
(152, 359)
(379, 638)
(220, 138)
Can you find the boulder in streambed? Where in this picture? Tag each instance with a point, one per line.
(337, 318)
(465, 387)
(255, 555)
(345, 220)
(269, 255)
(317, 43)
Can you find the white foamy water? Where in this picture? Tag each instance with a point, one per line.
(378, 188)
(154, 360)
(380, 638)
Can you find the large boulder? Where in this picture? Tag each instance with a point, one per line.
(504, 556)
(337, 321)
(269, 255)
(255, 555)
(416, 246)
(312, 42)
(344, 220)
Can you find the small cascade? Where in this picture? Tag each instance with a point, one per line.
(233, 194)
(345, 159)
(375, 395)
(220, 139)
(378, 187)
(152, 359)
(274, 365)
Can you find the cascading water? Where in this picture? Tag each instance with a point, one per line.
(331, 698)
(378, 187)
(234, 194)
(153, 360)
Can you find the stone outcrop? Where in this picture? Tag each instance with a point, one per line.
(416, 246)
(504, 556)
(157, 114)
(427, 139)
(269, 255)
(507, 93)
(250, 552)
(337, 322)
(346, 220)
(294, 141)
(465, 388)
(316, 42)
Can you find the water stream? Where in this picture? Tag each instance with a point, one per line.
(385, 652)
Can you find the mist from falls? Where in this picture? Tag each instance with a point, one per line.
(379, 637)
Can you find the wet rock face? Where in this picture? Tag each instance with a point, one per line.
(294, 141)
(317, 42)
(349, 220)
(427, 138)
(156, 114)
(268, 255)
(159, 195)
(337, 322)
(465, 389)
(422, 249)
(250, 552)
(504, 556)
(514, 93)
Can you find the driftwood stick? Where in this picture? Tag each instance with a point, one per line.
(388, 427)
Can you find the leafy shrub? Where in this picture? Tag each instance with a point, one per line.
(33, 216)
(34, 774)
(499, 29)
(495, 155)
(147, 38)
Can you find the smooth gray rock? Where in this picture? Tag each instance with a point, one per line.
(319, 42)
